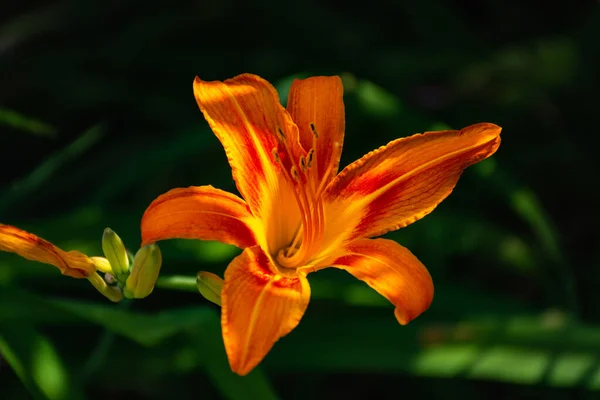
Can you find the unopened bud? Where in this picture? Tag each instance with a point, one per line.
(144, 272)
(210, 286)
(115, 253)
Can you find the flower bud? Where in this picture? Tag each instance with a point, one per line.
(115, 253)
(210, 286)
(144, 272)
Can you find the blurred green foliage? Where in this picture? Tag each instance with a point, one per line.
(98, 118)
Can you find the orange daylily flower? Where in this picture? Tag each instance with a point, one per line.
(34, 248)
(297, 216)
(72, 263)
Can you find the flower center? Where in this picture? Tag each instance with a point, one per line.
(308, 189)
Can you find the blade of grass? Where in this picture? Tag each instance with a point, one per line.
(19, 121)
(39, 175)
(35, 361)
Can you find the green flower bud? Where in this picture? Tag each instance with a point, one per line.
(144, 272)
(210, 286)
(115, 253)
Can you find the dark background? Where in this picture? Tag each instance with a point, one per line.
(97, 118)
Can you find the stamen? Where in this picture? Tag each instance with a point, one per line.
(315, 233)
(293, 248)
(276, 156)
(311, 154)
(321, 188)
(313, 160)
(320, 230)
(281, 133)
(309, 234)
(314, 130)
(300, 199)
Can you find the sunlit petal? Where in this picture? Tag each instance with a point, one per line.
(203, 213)
(317, 107)
(29, 246)
(405, 180)
(259, 307)
(393, 271)
(246, 116)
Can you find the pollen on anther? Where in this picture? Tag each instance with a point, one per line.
(276, 155)
(280, 131)
(311, 155)
(314, 130)
(294, 172)
(303, 163)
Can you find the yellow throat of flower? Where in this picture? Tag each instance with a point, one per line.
(308, 189)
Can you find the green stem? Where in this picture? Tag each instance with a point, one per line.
(178, 282)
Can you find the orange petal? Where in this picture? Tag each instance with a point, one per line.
(259, 307)
(405, 180)
(316, 104)
(393, 271)
(203, 213)
(245, 114)
(31, 247)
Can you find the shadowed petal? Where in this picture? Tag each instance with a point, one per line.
(393, 271)
(316, 105)
(203, 213)
(405, 180)
(32, 247)
(259, 307)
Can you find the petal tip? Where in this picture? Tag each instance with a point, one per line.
(485, 134)
(242, 369)
(197, 81)
(401, 316)
(405, 316)
(486, 129)
(197, 85)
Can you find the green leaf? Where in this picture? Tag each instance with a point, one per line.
(18, 121)
(200, 328)
(35, 361)
(545, 349)
(148, 330)
(208, 342)
(36, 178)
(377, 101)
(21, 307)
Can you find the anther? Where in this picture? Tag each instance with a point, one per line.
(314, 130)
(281, 133)
(303, 163)
(276, 155)
(311, 155)
(294, 172)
